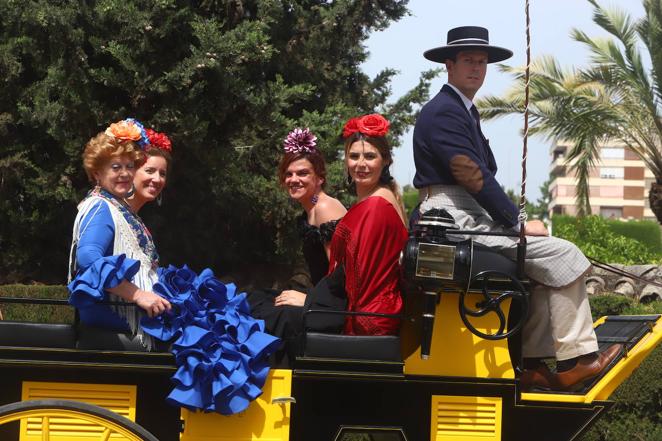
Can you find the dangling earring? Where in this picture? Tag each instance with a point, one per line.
(159, 199)
(315, 198)
(132, 191)
(97, 187)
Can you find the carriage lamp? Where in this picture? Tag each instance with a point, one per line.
(432, 262)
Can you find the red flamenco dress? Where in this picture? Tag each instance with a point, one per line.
(368, 242)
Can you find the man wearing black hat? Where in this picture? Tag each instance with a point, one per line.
(455, 170)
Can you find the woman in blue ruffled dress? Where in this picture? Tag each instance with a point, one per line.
(220, 350)
(113, 257)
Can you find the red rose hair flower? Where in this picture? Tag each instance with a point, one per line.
(159, 140)
(350, 128)
(373, 124)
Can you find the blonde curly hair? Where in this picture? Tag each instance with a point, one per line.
(100, 149)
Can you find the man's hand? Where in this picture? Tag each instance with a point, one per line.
(535, 228)
(290, 297)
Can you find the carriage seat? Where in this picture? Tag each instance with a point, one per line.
(489, 259)
(37, 335)
(91, 338)
(353, 347)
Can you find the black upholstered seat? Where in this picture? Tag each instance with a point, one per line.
(489, 259)
(353, 347)
(90, 338)
(37, 335)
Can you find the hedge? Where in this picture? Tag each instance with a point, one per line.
(596, 237)
(644, 231)
(36, 313)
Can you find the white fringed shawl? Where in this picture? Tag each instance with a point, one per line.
(126, 243)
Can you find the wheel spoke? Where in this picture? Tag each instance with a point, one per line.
(105, 435)
(45, 429)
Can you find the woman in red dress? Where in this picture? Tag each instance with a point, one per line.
(369, 239)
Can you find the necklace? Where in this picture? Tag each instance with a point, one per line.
(138, 227)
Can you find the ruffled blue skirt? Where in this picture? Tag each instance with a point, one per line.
(221, 351)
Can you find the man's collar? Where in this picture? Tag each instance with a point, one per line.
(466, 101)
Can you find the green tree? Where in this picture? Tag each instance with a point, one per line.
(614, 98)
(226, 79)
(538, 209)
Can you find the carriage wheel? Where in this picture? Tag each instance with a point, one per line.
(50, 411)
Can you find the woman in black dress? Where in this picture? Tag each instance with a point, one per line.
(302, 172)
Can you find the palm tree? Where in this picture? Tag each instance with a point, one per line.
(615, 98)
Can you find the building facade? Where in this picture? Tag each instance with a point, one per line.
(618, 184)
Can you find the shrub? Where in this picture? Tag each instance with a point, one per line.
(609, 305)
(410, 199)
(645, 231)
(593, 235)
(36, 313)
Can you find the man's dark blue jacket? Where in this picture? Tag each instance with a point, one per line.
(449, 149)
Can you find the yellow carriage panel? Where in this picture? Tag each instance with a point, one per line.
(462, 418)
(120, 399)
(266, 419)
(455, 350)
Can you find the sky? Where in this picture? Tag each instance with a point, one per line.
(401, 47)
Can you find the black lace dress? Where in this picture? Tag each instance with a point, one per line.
(314, 239)
(286, 322)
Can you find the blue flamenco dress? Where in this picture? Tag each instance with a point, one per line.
(220, 350)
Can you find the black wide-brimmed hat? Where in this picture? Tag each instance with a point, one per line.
(467, 38)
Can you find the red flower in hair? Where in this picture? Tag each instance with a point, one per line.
(351, 127)
(373, 125)
(369, 125)
(159, 140)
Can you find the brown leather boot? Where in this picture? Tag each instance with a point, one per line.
(587, 367)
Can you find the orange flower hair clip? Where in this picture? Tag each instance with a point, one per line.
(128, 130)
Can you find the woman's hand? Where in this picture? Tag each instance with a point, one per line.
(290, 297)
(153, 304)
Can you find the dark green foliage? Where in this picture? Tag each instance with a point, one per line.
(609, 305)
(226, 80)
(645, 231)
(36, 313)
(410, 199)
(596, 238)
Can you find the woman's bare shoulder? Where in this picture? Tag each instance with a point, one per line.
(328, 209)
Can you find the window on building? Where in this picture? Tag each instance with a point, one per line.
(611, 212)
(611, 172)
(612, 153)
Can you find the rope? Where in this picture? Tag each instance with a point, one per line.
(522, 201)
(612, 269)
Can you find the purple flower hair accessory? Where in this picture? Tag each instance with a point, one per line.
(300, 141)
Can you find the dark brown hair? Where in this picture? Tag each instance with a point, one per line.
(316, 160)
